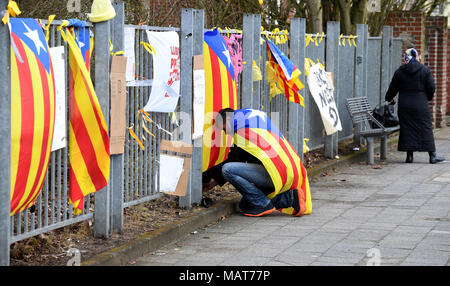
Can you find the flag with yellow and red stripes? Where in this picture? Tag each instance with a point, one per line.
(88, 133)
(287, 73)
(220, 92)
(32, 111)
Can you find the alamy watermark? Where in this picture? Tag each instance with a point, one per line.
(74, 6)
(76, 257)
(374, 255)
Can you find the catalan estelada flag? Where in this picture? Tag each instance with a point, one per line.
(287, 73)
(256, 134)
(82, 37)
(89, 154)
(32, 111)
(220, 92)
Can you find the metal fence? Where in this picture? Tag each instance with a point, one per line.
(364, 70)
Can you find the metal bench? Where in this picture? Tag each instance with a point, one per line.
(361, 115)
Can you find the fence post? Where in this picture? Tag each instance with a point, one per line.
(117, 169)
(256, 94)
(195, 43)
(197, 154)
(296, 111)
(332, 65)
(192, 24)
(386, 70)
(251, 50)
(102, 219)
(5, 140)
(360, 69)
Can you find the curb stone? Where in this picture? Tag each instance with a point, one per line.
(152, 241)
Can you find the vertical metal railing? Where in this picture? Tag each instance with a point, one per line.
(5, 140)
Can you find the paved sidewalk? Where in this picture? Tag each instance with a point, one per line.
(396, 215)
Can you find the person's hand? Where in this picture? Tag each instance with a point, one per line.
(208, 186)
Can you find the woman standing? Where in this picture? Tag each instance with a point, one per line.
(415, 85)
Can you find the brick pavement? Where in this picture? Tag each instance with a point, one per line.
(396, 215)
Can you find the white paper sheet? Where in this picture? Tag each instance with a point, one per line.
(199, 103)
(129, 37)
(59, 134)
(166, 72)
(170, 169)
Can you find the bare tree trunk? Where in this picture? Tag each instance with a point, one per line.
(359, 12)
(346, 23)
(315, 15)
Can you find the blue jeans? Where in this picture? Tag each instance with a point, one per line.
(253, 182)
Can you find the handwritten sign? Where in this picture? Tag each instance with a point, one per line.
(166, 72)
(321, 87)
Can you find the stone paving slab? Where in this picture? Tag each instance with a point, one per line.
(396, 215)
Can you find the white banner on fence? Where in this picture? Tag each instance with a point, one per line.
(129, 38)
(321, 87)
(59, 134)
(166, 72)
(199, 97)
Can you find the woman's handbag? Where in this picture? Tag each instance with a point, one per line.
(385, 114)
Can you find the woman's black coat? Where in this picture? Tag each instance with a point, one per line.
(415, 85)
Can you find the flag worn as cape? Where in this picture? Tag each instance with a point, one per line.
(220, 92)
(32, 111)
(88, 134)
(256, 134)
(287, 73)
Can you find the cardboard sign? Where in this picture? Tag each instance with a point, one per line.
(173, 153)
(118, 104)
(322, 89)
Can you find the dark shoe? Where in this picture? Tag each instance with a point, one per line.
(245, 205)
(259, 211)
(434, 158)
(298, 199)
(409, 157)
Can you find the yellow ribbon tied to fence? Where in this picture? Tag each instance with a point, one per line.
(149, 48)
(308, 39)
(256, 72)
(111, 49)
(12, 9)
(305, 147)
(47, 27)
(145, 116)
(309, 63)
(272, 79)
(130, 130)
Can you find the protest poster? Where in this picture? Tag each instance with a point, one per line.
(166, 72)
(321, 87)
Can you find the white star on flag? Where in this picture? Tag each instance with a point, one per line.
(34, 36)
(257, 113)
(226, 53)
